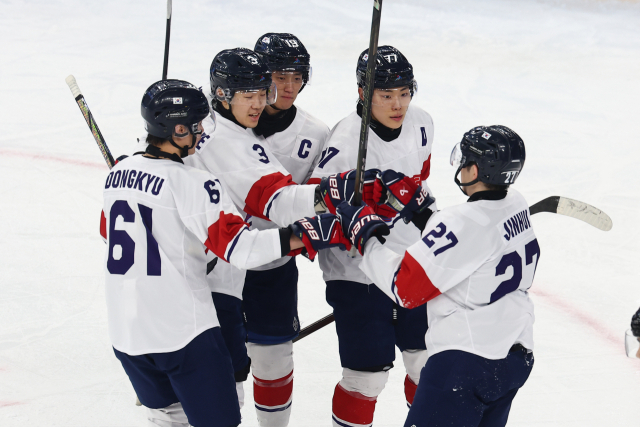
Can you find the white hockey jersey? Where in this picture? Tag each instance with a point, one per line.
(410, 154)
(474, 265)
(298, 149)
(254, 178)
(158, 217)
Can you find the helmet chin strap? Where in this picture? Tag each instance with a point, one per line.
(465, 184)
(184, 151)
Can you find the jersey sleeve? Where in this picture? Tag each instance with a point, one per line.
(208, 212)
(255, 180)
(447, 254)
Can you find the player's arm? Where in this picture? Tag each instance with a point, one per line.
(208, 212)
(443, 258)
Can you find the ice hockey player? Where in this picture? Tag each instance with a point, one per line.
(473, 267)
(368, 324)
(241, 87)
(162, 321)
(270, 294)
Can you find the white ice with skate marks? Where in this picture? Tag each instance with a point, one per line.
(563, 74)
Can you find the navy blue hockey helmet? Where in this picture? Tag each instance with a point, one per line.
(285, 52)
(392, 70)
(168, 103)
(239, 69)
(497, 151)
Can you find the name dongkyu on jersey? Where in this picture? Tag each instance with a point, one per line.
(133, 179)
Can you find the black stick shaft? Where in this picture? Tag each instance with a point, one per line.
(314, 327)
(166, 41)
(366, 103)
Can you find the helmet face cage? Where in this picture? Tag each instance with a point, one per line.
(497, 151)
(168, 103)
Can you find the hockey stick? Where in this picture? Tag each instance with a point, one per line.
(575, 209)
(554, 204)
(366, 108)
(93, 126)
(166, 41)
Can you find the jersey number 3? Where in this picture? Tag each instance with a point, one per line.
(127, 247)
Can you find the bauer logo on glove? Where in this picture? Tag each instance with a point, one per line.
(360, 223)
(320, 232)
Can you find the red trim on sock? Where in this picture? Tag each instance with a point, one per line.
(353, 407)
(272, 392)
(409, 389)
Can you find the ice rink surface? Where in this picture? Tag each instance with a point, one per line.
(563, 74)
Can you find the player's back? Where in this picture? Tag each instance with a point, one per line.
(157, 296)
(482, 256)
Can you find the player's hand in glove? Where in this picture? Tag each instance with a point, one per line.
(360, 223)
(401, 193)
(320, 232)
(340, 187)
(635, 324)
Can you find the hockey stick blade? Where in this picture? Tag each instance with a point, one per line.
(575, 209)
(88, 117)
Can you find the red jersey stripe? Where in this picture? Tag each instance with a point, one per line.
(262, 192)
(426, 169)
(414, 287)
(103, 225)
(222, 232)
(313, 181)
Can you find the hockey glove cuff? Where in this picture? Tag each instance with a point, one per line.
(401, 193)
(320, 232)
(360, 223)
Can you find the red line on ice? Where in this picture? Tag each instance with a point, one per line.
(52, 158)
(5, 403)
(581, 316)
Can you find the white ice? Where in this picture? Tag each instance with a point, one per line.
(563, 74)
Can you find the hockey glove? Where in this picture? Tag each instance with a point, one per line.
(635, 324)
(320, 232)
(401, 193)
(360, 223)
(340, 187)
